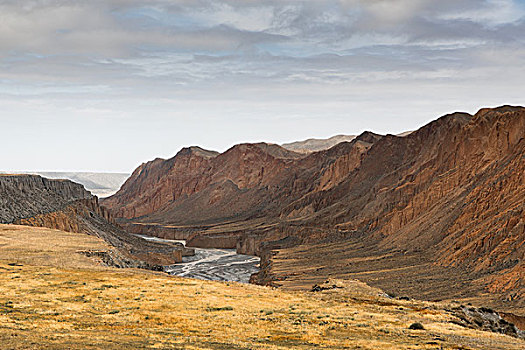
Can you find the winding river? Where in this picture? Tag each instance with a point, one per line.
(213, 264)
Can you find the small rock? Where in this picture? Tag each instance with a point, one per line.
(316, 288)
(416, 326)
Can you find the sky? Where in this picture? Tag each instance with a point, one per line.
(104, 85)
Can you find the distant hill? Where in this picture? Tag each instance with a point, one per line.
(316, 145)
(100, 184)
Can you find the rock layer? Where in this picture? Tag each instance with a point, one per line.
(25, 196)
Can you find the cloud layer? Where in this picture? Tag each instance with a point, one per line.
(327, 65)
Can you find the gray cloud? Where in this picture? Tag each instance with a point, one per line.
(115, 43)
(250, 60)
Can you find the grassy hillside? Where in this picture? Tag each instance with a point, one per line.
(54, 297)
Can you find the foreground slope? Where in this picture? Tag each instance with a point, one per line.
(54, 297)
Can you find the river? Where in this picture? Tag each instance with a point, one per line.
(213, 264)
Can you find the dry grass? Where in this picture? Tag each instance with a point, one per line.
(410, 274)
(46, 247)
(76, 304)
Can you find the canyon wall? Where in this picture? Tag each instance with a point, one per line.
(452, 190)
(25, 196)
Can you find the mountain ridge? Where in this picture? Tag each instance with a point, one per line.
(451, 189)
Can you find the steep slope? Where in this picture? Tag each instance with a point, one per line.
(26, 195)
(451, 193)
(232, 184)
(61, 204)
(455, 187)
(99, 184)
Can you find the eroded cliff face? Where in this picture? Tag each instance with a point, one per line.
(200, 186)
(25, 196)
(245, 182)
(64, 205)
(452, 190)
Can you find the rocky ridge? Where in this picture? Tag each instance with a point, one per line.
(26, 196)
(62, 204)
(452, 190)
(99, 184)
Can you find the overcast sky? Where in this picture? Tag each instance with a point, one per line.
(104, 85)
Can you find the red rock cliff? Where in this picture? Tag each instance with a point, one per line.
(453, 189)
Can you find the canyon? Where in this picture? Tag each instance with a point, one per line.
(413, 241)
(443, 201)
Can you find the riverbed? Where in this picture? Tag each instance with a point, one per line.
(213, 264)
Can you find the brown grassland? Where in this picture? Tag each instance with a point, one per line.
(52, 297)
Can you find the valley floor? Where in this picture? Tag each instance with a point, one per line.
(53, 297)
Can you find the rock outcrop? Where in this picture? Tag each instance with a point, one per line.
(99, 184)
(24, 196)
(62, 204)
